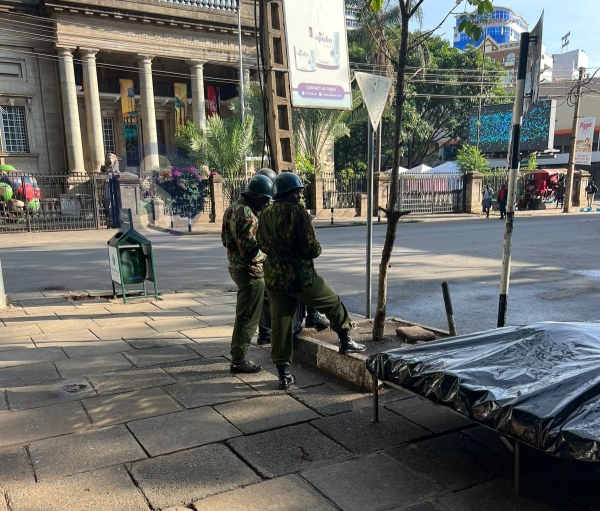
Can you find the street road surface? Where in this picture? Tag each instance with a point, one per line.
(555, 267)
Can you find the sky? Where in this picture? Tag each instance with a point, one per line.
(581, 20)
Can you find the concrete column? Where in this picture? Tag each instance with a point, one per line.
(92, 108)
(381, 190)
(246, 76)
(198, 109)
(75, 161)
(151, 160)
(474, 192)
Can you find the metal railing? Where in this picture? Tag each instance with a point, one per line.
(340, 190)
(432, 193)
(52, 202)
(232, 189)
(499, 177)
(217, 5)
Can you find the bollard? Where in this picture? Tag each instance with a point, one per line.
(172, 221)
(449, 311)
(2, 293)
(378, 215)
(189, 223)
(331, 216)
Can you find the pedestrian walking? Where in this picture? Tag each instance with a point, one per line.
(502, 196)
(238, 235)
(286, 235)
(560, 196)
(488, 197)
(591, 190)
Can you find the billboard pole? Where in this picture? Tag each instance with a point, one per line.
(568, 199)
(517, 121)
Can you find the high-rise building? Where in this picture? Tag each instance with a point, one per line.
(351, 17)
(503, 25)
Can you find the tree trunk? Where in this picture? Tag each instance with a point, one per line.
(392, 213)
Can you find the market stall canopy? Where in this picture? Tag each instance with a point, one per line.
(450, 167)
(420, 168)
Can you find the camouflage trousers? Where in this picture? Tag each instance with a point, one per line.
(283, 309)
(248, 312)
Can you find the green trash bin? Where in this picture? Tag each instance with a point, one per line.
(131, 260)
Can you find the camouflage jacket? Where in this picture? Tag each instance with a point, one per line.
(238, 235)
(287, 236)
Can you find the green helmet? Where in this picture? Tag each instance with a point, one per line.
(285, 182)
(267, 172)
(260, 185)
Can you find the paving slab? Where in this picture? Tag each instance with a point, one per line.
(289, 493)
(130, 330)
(119, 408)
(28, 375)
(263, 413)
(176, 324)
(428, 415)
(33, 396)
(15, 469)
(63, 338)
(28, 356)
(131, 308)
(25, 426)
(44, 302)
(180, 303)
(100, 490)
(157, 342)
(495, 495)
(357, 432)
(213, 310)
(210, 392)
(226, 299)
(85, 312)
(220, 320)
(19, 330)
(199, 369)
(452, 461)
(127, 381)
(211, 333)
(182, 430)
(16, 343)
(288, 450)
(83, 452)
(332, 398)
(161, 355)
(375, 482)
(59, 325)
(212, 348)
(184, 477)
(120, 320)
(170, 314)
(489, 439)
(94, 348)
(92, 365)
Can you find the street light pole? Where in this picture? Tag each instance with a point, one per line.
(571, 170)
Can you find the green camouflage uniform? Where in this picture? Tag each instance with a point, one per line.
(286, 235)
(238, 235)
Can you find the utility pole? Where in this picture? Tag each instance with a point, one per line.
(277, 83)
(571, 170)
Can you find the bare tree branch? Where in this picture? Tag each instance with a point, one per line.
(428, 34)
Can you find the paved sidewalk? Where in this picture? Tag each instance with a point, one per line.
(111, 407)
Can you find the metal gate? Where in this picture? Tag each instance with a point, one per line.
(51, 202)
(432, 193)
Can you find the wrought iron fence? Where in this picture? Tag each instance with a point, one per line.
(51, 202)
(499, 177)
(232, 189)
(341, 189)
(432, 193)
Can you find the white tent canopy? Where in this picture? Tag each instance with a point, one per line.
(400, 170)
(450, 167)
(420, 169)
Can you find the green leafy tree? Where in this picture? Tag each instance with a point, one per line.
(470, 159)
(223, 146)
(532, 164)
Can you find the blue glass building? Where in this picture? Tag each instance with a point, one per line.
(503, 25)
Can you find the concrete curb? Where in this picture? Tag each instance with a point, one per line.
(351, 367)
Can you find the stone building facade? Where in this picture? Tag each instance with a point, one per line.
(63, 64)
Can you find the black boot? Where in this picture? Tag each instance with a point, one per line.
(264, 336)
(315, 320)
(297, 329)
(347, 344)
(243, 366)
(285, 378)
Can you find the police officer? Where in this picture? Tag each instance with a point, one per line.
(238, 235)
(286, 235)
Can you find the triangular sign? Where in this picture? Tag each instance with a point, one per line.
(375, 90)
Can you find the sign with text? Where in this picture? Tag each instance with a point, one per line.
(318, 54)
(584, 142)
(115, 271)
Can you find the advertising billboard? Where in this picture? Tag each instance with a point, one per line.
(537, 133)
(318, 54)
(584, 142)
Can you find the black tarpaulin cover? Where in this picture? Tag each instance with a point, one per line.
(538, 383)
